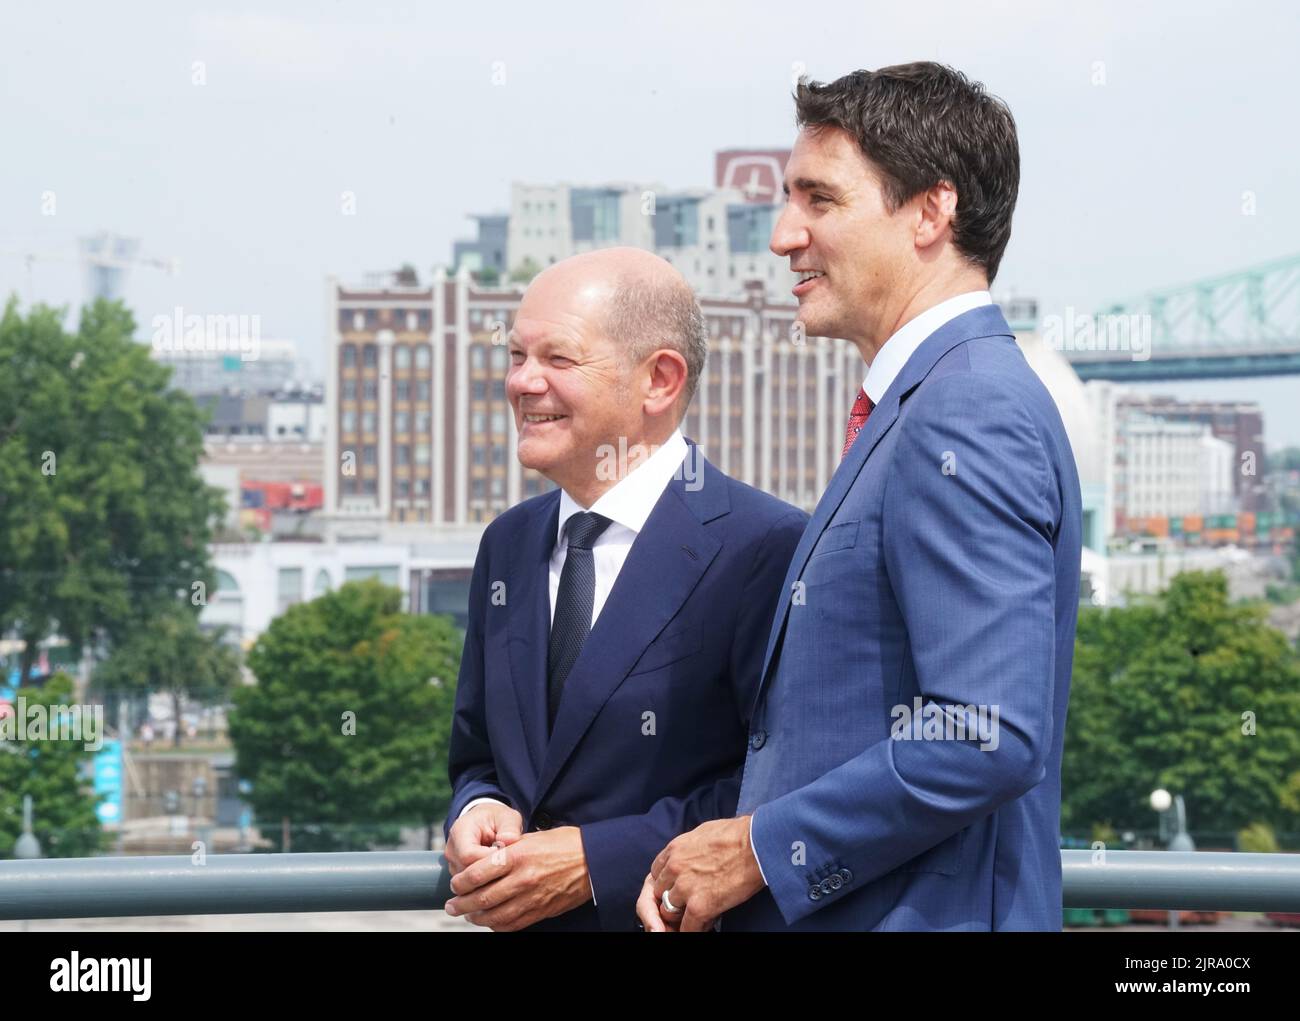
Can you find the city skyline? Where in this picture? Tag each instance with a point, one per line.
(230, 140)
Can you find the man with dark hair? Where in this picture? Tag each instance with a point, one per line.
(904, 760)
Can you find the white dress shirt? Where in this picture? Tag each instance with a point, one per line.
(896, 351)
(627, 504)
(886, 366)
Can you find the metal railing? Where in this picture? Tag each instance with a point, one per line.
(419, 881)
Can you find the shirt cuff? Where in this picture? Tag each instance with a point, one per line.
(753, 849)
(480, 801)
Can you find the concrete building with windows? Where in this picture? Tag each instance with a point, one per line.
(258, 581)
(420, 430)
(1171, 469)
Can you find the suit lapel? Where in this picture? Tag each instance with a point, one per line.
(985, 321)
(666, 561)
(528, 596)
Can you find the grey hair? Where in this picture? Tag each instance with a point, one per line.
(646, 316)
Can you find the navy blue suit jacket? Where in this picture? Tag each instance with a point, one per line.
(940, 570)
(650, 734)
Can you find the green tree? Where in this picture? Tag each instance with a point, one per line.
(525, 271)
(64, 820)
(350, 719)
(1166, 693)
(102, 510)
(169, 654)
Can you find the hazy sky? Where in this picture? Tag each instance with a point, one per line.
(1128, 185)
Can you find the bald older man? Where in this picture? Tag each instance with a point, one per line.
(616, 624)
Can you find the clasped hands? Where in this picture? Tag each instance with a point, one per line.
(506, 879)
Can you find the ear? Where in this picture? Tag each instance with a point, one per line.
(665, 382)
(937, 210)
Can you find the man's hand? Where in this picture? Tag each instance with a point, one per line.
(474, 835)
(706, 872)
(539, 876)
(650, 911)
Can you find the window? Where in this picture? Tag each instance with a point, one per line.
(500, 356)
(422, 422)
(368, 486)
(421, 487)
(403, 487)
(478, 488)
(403, 452)
(349, 356)
(422, 356)
(288, 588)
(499, 389)
(402, 422)
(477, 421)
(401, 357)
(498, 487)
(349, 389)
(370, 356)
(498, 454)
(422, 390)
(370, 390)
(479, 389)
(476, 356)
(412, 321)
(322, 585)
(358, 320)
(369, 455)
(422, 453)
(368, 422)
(349, 421)
(386, 574)
(498, 422)
(403, 390)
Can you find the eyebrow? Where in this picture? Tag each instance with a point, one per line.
(807, 184)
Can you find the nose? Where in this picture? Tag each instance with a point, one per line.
(525, 379)
(789, 234)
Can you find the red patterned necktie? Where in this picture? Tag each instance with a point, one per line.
(862, 406)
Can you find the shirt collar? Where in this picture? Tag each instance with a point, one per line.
(630, 500)
(895, 352)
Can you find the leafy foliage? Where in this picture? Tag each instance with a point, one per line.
(64, 813)
(1159, 698)
(350, 657)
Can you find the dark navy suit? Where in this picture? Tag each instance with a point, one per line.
(651, 730)
(941, 565)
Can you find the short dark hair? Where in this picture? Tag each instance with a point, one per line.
(922, 123)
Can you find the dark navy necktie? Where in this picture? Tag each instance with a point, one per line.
(573, 603)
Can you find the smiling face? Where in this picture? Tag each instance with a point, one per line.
(837, 227)
(568, 382)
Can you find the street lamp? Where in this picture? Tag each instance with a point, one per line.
(1162, 801)
(27, 846)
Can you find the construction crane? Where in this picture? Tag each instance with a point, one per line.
(105, 258)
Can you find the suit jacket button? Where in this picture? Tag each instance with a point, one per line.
(846, 875)
(836, 881)
(758, 739)
(543, 821)
(814, 893)
(826, 886)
